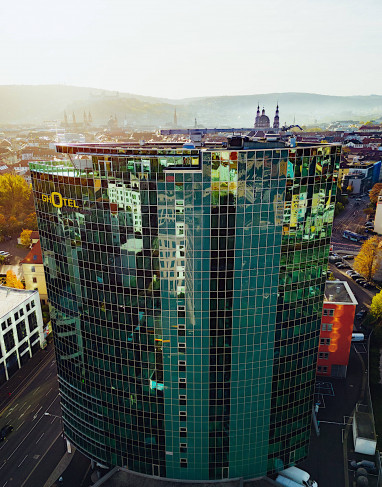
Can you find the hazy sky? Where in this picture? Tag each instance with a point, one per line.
(188, 48)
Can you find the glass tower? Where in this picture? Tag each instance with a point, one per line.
(186, 289)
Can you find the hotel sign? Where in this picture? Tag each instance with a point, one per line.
(58, 200)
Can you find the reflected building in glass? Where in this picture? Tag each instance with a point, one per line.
(186, 290)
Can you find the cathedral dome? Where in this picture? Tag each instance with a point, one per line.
(264, 120)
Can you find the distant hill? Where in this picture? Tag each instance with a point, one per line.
(35, 104)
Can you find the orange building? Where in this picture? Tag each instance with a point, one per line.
(336, 329)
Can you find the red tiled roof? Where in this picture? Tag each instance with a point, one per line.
(34, 256)
(34, 234)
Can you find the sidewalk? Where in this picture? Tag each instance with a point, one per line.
(60, 468)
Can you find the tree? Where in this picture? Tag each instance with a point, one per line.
(3, 224)
(376, 306)
(368, 258)
(31, 221)
(374, 193)
(25, 238)
(13, 225)
(12, 281)
(15, 196)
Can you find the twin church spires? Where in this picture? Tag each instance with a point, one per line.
(263, 122)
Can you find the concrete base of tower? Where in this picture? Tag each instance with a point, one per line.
(121, 477)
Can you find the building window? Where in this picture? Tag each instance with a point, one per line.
(323, 355)
(329, 326)
(182, 416)
(182, 382)
(34, 279)
(183, 462)
(21, 312)
(182, 348)
(32, 304)
(325, 341)
(21, 330)
(32, 321)
(3, 325)
(328, 312)
(183, 432)
(181, 330)
(28, 307)
(9, 341)
(33, 268)
(9, 321)
(322, 369)
(181, 311)
(182, 399)
(16, 315)
(183, 447)
(182, 365)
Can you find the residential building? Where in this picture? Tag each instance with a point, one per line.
(336, 329)
(186, 287)
(33, 270)
(21, 329)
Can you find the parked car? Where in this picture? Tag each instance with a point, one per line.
(366, 285)
(370, 231)
(359, 280)
(4, 253)
(343, 265)
(366, 464)
(5, 430)
(333, 259)
(348, 257)
(352, 273)
(360, 314)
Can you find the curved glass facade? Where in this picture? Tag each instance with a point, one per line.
(186, 289)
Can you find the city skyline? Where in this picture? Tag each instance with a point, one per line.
(172, 51)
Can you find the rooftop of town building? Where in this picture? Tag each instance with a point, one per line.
(11, 298)
(339, 292)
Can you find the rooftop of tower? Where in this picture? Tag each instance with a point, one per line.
(233, 143)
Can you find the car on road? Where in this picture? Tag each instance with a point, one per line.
(358, 199)
(5, 430)
(369, 224)
(4, 253)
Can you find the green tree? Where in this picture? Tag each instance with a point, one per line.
(25, 238)
(374, 193)
(368, 258)
(376, 306)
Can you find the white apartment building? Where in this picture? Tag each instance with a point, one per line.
(21, 329)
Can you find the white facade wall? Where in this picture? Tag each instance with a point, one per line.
(21, 331)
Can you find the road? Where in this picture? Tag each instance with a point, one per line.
(34, 432)
(351, 218)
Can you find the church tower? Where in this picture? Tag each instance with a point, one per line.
(276, 121)
(257, 116)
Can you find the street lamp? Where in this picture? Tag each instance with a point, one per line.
(54, 415)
